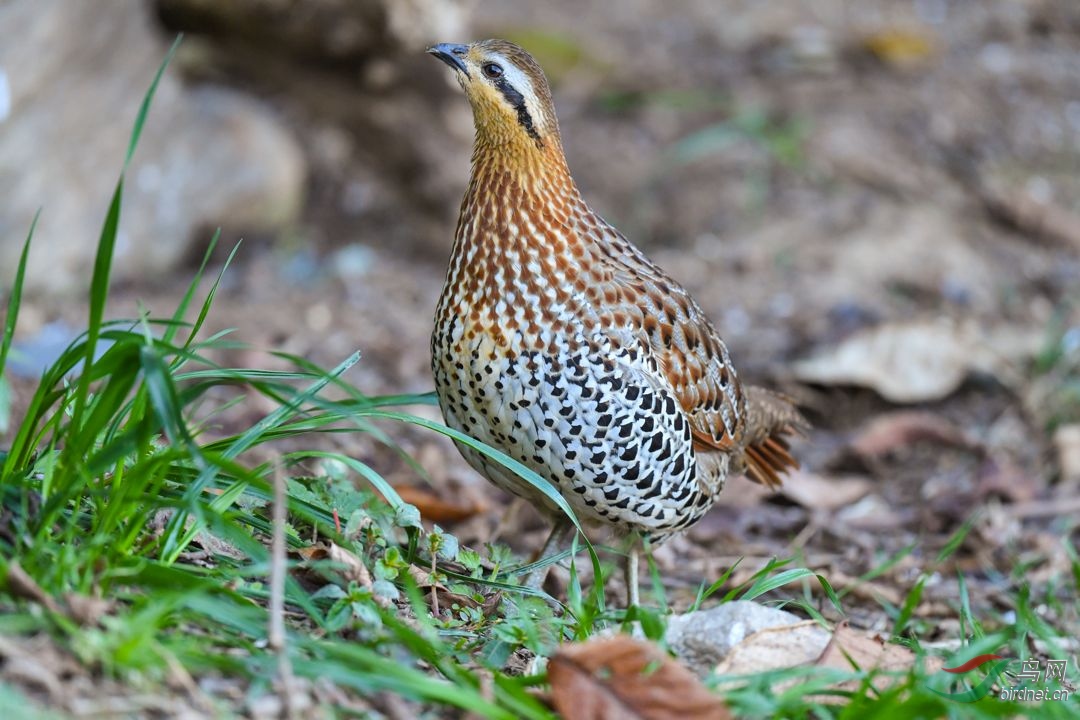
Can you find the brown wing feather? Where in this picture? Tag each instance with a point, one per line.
(752, 423)
(687, 349)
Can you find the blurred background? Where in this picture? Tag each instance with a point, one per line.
(877, 202)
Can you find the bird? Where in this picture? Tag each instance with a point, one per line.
(560, 343)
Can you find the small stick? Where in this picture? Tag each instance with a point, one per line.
(434, 588)
(276, 635)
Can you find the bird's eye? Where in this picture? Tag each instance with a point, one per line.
(492, 70)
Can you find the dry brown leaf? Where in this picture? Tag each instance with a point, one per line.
(776, 647)
(437, 510)
(807, 643)
(444, 597)
(20, 584)
(353, 568)
(620, 677)
(873, 512)
(86, 610)
(903, 362)
(864, 589)
(920, 360)
(868, 651)
(1000, 475)
(824, 493)
(897, 430)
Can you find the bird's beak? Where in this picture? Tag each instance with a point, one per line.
(451, 54)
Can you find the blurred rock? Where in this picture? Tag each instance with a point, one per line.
(323, 29)
(207, 157)
(385, 129)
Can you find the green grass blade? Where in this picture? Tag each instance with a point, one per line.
(15, 297)
(765, 584)
(189, 294)
(549, 491)
(144, 108)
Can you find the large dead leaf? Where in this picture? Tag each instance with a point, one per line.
(851, 648)
(897, 430)
(775, 648)
(620, 677)
(824, 493)
(807, 643)
(435, 509)
(918, 361)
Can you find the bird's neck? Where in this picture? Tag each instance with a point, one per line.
(517, 238)
(521, 199)
(525, 165)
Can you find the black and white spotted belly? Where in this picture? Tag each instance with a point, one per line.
(612, 440)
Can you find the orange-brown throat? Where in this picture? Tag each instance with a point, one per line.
(517, 241)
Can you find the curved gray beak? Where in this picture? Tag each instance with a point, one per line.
(451, 54)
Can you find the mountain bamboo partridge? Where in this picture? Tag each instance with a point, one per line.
(561, 344)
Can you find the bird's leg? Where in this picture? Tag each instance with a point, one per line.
(563, 531)
(632, 557)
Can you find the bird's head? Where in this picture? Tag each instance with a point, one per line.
(508, 92)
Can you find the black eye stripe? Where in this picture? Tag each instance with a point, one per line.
(517, 101)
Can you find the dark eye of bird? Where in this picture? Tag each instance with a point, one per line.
(492, 70)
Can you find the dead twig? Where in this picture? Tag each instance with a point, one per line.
(276, 634)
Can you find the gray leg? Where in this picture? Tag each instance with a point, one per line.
(557, 540)
(632, 557)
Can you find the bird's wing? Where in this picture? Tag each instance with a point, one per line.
(750, 423)
(637, 295)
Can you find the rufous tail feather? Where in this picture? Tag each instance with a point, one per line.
(771, 419)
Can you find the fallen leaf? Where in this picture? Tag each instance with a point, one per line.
(702, 638)
(86, 610)
(775, 648)
(741, 492)
(897, 430)
(808, 643)
(865, 589)
(1001, 476)
(445, 597)
(824, 493)
(899, 48)
(620, 677)
(921, 360)
(1067, 446)
(20, 584)
(435, 509)
(872, 512)
(907, 362)
(867, 652)
(352, 568)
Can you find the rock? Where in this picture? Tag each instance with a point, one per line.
(207, 156)
(387, 133)
(351, 30)
(703, 638)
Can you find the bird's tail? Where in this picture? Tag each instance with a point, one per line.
(771, 419)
